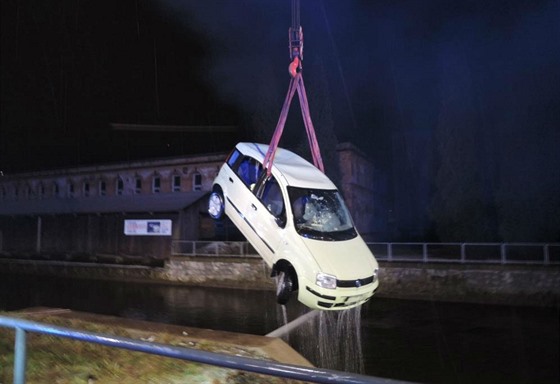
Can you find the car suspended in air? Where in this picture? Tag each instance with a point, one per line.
(298, 222)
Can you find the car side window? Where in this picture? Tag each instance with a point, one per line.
(271, 197)
(249, 171)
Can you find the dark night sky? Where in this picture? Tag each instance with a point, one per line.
(400, 76)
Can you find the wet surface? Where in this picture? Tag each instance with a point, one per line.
(422, 341)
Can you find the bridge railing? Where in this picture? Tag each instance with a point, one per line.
(471, 253)
(290, 371)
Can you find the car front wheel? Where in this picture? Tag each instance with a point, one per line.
(284, 287)
(216, 205)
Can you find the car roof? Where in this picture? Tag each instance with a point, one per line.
(297, 171)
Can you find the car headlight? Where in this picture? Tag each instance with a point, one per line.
(326, 281)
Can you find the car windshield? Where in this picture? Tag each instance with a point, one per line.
(321, 214)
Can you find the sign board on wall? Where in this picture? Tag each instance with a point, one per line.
(147, 227)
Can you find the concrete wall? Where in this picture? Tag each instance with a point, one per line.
(519, 285)
(495, 284)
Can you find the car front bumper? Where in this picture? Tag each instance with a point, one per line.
(337, 299)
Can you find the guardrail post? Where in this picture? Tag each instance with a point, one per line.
(503, 253)
(425, 252)
(546, 255)
(20, 356)
(389, 251)
(463, 253)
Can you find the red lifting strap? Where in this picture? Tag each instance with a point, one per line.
(296, 83)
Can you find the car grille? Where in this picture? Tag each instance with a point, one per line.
(354, 283)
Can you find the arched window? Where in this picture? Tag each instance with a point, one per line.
(70, 189)
(55, 189)
(41, 190)
(176, 183)
(197, 181)
(119, 188)
(156, 183)
(102, 188)
(85, 188)
(138, 184)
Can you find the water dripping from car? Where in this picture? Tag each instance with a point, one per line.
(331, 340)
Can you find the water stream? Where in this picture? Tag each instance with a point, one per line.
(331, 340)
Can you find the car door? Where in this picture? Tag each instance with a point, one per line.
(242, 177)
(266, 213)
(238, 186)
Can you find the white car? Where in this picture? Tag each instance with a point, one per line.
(297, 221)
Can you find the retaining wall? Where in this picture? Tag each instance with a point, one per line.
(494, 284)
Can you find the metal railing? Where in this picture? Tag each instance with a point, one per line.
(468, 253)
(213, 248)
(307, 374)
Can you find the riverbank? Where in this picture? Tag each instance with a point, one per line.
(468, 283)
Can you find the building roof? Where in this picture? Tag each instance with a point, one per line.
(141, 203)
(177, 161)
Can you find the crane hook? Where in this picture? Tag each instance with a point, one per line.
(295, 67)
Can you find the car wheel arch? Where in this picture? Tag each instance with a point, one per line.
(285, 266)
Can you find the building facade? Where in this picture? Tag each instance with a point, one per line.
(357, 184)
(85, 209)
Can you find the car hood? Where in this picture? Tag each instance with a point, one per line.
(347, 260)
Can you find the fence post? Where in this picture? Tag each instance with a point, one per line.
(20, 356)
(390, 251)
(546, 255)
(503, 253)
(463, 253)
(425, 252)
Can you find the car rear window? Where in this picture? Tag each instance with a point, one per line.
(234, 155)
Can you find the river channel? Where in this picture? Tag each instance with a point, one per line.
(418, 341)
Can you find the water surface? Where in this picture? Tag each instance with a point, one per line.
(421, 341)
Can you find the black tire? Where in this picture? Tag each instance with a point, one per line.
(284, 287)
(216, 205)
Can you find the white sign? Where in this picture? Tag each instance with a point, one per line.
(147, 227)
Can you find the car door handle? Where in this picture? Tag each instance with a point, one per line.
(230, 180)
(254, 207)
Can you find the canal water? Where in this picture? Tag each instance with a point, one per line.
(419, 341)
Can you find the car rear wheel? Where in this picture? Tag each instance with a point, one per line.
(216, 205)
(284, 287)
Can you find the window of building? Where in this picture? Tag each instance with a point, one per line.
(70, 189)
(156, 184)
(197, 182)
(55, 189)
(120, 186)
(41, 190)
(176, 183)
(85, 188)
(138, 185)
(102, 188)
